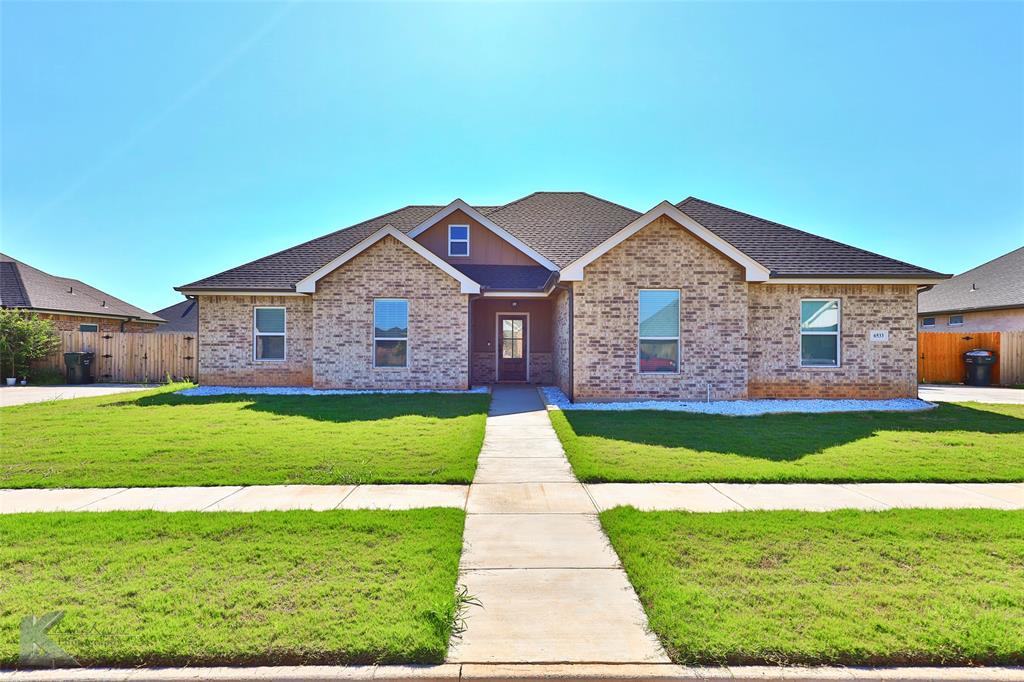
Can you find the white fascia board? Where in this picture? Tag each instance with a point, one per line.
(460, 205)
(755, 272)
(308, 285)
(854, 280)
(516, 294)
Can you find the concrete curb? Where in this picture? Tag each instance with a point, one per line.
(652, 672)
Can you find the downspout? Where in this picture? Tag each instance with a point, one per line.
(572, 355)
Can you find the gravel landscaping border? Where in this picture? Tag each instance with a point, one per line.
(556, 400)
(300, 390)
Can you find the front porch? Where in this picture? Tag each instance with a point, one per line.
(512, 340)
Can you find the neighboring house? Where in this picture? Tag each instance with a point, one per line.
(71, 304)
(989, 298)
(685, 301)
(181, 317)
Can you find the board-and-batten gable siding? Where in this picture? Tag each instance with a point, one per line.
(343, 322)
(485, 247)
(713, 318)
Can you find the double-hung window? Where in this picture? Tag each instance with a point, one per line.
(268, 333)
(819, 332)
(458, 240)
(659, 330)
(390, 332)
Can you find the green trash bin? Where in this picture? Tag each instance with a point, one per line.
(79, 367)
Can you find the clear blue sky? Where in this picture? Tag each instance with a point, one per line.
(146, 145)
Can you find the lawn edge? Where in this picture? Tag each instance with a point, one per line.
(495, 672)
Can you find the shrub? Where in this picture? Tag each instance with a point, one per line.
(24, 337)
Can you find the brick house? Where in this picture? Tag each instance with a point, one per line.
(684, 301)
(988, 298)
(71, 304)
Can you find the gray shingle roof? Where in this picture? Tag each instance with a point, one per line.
(508, 277)
(998, 283)
(183, 316)
(789, 252)
(23, 286)
(563, 226)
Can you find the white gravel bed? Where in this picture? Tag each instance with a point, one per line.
(556, 400)
(300, 390)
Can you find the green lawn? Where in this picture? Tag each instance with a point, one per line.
(184, 588)
(907, 587)
(155, 438)
(953, 442)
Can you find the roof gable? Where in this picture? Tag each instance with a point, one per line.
(754, 271)
(460, 205)
(308, 284)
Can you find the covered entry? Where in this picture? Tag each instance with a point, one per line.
(511, 340)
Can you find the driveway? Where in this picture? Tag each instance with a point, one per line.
(978, 394)
(19, 395)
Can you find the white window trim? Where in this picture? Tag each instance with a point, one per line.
(838, 333)
(256, 333)
(373, 333)
(951, 323)
(924, 321)
(88, 324)
(458, 241)
(677, 339)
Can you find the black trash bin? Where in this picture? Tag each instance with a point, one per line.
(79, 367)
(979, 366)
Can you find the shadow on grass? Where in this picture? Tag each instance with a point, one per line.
(781, 437)
(331, 408)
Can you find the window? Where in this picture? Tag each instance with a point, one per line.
(819, 332)
(390, 332)
(458, 240)
(659, 330)
(88, 327)
(268, 333)
(956, 319)
(928, 322)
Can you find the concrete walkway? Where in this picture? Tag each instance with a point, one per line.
(234, 498)
(535, 556)
(936, 393)
(19, 395)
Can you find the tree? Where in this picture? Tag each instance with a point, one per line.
(24, 337)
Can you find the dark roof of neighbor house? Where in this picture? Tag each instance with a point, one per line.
(183, 316)
(564, 226)
(998, 283)
(23, 286)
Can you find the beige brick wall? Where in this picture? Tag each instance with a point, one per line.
(868, 369)
(713, 324)
(343, 322)
(561, 360)
(70, 323)
(1008, 320)
(226, 342)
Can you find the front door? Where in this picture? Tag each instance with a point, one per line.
(512, 348)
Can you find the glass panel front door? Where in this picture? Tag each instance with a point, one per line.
(512, 348)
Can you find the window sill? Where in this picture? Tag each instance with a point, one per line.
(262, 360)
(821, 367)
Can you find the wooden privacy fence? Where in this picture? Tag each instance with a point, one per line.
(132, 357)
(940, 356)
